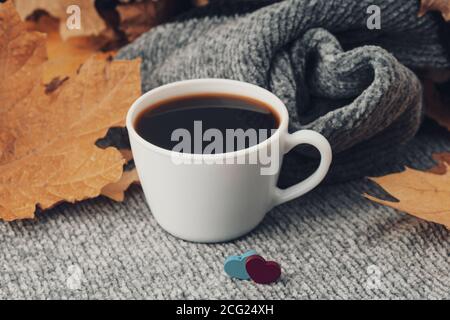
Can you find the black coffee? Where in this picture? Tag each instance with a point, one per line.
(236, 123)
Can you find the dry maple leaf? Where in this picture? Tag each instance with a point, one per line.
(65, 57)
(138, 17)
(24, 51)
(47, 141)
(115, 191)
(91, 22)
(200, 3)
(443, 160)
(118, 138)
(442, 6)
(425, 195)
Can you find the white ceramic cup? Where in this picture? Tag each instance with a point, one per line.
(211, 200)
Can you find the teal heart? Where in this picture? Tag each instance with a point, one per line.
(234, 266)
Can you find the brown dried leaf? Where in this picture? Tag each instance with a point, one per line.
(138, 17)
(200, 3)
(425, 195)
(115, 191)
(442, 6)
(65, 57)
(29, 52)
(443, 160)
(47, 141)
(91, 22)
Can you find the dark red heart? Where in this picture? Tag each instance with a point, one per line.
(262, 271)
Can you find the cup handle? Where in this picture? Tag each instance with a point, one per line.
(320, 143)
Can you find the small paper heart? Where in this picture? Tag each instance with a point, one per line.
(262, 271)
(234, 266)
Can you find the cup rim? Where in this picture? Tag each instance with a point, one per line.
(280, 108)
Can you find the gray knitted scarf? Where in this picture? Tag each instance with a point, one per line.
(352, 84)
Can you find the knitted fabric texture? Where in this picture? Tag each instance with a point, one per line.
(331, 244)
(352, 84)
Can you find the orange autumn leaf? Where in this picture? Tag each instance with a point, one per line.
(443, 159)
(443, 6)
(425, 195)
(65, 57)
(201, 3)
(115, 191)
(47, 140)
(91, 24)
(138, 17)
